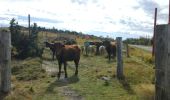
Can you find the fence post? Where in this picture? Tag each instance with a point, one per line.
(162, 62)
(5, 60)
(119, 58)
(127, 50)
(29, 25)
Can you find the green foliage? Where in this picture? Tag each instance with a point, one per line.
(15, 30)
(25, 45)
(140, 41)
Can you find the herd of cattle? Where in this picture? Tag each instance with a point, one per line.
(99, 48)
(71, 52)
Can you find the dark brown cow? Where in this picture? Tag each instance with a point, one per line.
(110, 48)
(98, 44)
(52, 48)
(66, 53)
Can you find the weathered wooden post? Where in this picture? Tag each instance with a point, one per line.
(119, 58)
(5, 60)
(127, 50)
(46, 38)
(153, 40)
(29, 25)
(162, 62)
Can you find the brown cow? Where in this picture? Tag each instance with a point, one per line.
(66, 53)
(52, 48)
(110, 48)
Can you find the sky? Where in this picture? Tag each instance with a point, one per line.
(113, 18)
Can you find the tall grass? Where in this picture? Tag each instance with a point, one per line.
(142, 55)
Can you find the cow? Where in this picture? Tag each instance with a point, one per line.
(52, 48)
(110, 48)
(82, 49)
(102, 50)
(98, 44)
(89, 47)
(66, 53)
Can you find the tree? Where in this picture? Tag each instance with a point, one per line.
(24, 45)
(15, 30)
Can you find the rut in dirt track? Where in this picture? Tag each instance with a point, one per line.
(51, 67)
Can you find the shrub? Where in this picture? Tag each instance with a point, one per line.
(25, 45)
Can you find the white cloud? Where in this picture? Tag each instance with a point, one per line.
(87, 16)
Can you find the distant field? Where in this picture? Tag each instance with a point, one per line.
(35, 78)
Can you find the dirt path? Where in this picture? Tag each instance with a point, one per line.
(68, 93)
(50, 67)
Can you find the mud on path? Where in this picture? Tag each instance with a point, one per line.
(51, 68)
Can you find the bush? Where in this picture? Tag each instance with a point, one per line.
(25, 45)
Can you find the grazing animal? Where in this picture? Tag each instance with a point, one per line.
(82, 49)
(89, 47)
(102, 50)
(52, 48)
(110, 48)
(86, 45)
(98, 44)
(66, 53)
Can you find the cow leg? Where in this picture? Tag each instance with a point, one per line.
(102, 52)
(76, 64)
(65, 69)
(109, 56)
(82, 51)
(60, 64)
(86, 51)
(97, 50)
(53, 55)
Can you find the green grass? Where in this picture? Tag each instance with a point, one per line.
(94, 88)
(29, 69)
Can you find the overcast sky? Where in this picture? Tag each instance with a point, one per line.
(126, 18)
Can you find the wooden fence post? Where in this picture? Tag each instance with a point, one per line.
(119, 58)
(29, 29)
(162, 62)
(127, 50)
(46, 38)
(5, 60)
